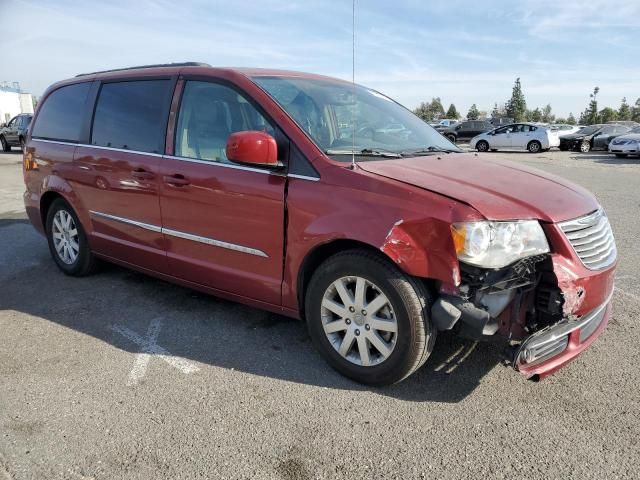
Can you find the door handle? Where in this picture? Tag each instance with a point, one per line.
(177, 180)
(142, 174)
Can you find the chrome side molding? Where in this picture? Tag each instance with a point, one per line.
(187, 236)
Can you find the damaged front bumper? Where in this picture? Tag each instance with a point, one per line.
(551, 348)
(547, 308)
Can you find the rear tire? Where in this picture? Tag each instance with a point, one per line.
(378, 347)
(5, 145)
(483, 146)
(67, 240)
(534, 146)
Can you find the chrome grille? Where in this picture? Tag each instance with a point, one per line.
(592, 239)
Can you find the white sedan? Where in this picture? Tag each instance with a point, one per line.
(517, 136)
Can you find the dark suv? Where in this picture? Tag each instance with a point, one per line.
(13, 134)
(466, 130)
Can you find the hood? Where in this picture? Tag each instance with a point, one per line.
(628, 136)
(498, 189)
(575, 136)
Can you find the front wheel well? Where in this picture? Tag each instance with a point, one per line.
(322, 252)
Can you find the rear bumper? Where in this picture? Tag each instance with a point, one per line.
(550, 349)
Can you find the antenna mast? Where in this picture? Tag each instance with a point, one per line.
(353, 84)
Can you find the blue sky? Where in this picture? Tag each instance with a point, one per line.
(462, 51)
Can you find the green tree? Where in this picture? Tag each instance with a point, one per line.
(452, 112)
(422, 111)
(517, 105)
(536, 115)
(571, 120)
(607, 114)
(498, 111)
(560, 120)
(547, 116)
(635, 111)
(624, 113)
(591, 113)
(473, 113)
(437, 110)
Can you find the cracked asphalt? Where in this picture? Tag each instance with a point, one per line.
(198, 387)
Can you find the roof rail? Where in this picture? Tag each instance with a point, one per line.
(182, 64)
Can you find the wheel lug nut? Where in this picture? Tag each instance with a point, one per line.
(364, 312)
(347, 321)
(351, 309)
(367, 327)
(357, 332)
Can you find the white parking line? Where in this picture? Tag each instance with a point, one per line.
(150, 347)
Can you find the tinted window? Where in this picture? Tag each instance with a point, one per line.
(209, 113)
(132, 115)
(61, 115)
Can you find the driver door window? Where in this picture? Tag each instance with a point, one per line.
(209, 113)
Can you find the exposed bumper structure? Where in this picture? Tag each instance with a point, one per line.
(550, 349)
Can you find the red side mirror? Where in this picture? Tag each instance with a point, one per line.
(252, 147)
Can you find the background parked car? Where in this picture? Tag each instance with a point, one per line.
(466, 130)
(13, 134)
(445, 122)
(519, 136)
(626, 123)
(565, 129)
(593, 137)
(625, 145)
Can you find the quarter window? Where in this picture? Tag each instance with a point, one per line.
(62, 113)
(209, 113)
(132, 115)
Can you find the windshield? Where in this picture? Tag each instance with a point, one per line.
(590, 130)
(330, 112)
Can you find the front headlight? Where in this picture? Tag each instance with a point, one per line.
(497, 244)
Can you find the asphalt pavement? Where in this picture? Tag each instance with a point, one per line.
(120, 375)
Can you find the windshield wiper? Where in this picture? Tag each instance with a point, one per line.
(428, 151)
(365, 152)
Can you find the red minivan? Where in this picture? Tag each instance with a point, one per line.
(289, 192)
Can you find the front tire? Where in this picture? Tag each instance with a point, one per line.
(483, 146)
(67, 240)
(22, 145)
(451, 138)
(368, 319)
(585, 147)
(534, 146)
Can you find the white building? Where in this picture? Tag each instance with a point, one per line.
(14, 101)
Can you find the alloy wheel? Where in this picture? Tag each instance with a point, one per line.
(585, 147)
(359, 321)
(65, 237)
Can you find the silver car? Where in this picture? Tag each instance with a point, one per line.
(517, 136)
(627, 144)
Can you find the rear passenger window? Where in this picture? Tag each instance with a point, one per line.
(132, 115)
(209, 113)
(62, 113)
